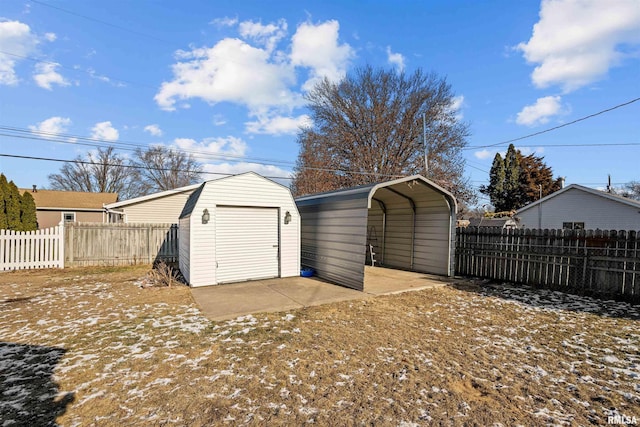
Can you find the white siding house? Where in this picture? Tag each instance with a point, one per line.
(244, 227)
(579, 207)
(157, 208)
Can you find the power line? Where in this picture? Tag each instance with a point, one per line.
(102, 22)
(91, 73)
(123, 145)
(202, 172)
(128, 166)
(95, 142)
(557, 127)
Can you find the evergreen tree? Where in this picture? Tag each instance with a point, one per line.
(496, 182)
(516, 180)
(4, 187)
(535, 177)
(12, 207)
(28, 213)
(511, 179)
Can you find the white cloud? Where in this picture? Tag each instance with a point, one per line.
(241, 167)
(104, 131)
(219, 120)
(540, 112)
(50, 37)
(46, 75)
(94, 75)
(232, 71)
(529, 150)
(16, 38)
(52, 126)
(208, 147)
(576, 42)
(484, 154)
(395, 59)
(455, 108)
(317, 47)
(266, 35)
(278, 125)
(224, 22)
(153, 130)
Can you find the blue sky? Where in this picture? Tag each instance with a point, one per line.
(226, 79)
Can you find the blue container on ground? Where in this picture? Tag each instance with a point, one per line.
(307, 272)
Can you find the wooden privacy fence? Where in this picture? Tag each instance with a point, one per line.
(119, 244)
(600, 263)
(31, 249)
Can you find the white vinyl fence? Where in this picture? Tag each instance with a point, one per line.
(32, 249)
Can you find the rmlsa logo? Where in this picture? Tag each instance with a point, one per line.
(621, 419)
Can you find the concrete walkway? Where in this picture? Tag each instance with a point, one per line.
(230, 301)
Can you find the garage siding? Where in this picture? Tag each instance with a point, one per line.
(334, 238)
(246, 190)
(163, 210)
(397, 245)
(184, 243)
(432, 235)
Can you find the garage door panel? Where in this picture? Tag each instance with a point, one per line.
(246, 243)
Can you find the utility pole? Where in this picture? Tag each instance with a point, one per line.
(424, 140)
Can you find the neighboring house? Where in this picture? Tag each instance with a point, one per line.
(52, 206)
(577, 207)
(493, 222)
(157, 208)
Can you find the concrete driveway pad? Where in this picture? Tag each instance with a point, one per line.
(224, 302)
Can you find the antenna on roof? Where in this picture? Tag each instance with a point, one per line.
(609, 184)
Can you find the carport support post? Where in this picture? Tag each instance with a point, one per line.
(384, 225)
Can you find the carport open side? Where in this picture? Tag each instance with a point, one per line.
(408, 223)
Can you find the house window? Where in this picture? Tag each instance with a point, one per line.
(69, 216)
(573, 225)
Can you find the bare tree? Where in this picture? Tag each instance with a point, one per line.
(369, 128)
(630, 190)
(161, 168)
(102, 171)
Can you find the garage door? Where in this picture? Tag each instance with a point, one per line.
(246, 244)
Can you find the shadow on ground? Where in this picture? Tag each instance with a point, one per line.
(549, 299)
(29, 394)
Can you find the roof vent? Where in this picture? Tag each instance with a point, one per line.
(35, 189)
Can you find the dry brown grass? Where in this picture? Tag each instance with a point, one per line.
(465, 355)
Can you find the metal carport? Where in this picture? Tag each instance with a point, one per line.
(410, 222)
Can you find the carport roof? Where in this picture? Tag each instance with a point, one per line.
(368, 190)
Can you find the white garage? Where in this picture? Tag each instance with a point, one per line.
(244, 227)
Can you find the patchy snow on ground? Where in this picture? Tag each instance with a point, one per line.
(411, 359)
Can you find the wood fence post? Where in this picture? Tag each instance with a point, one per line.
(61, 243)
(150, 258)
